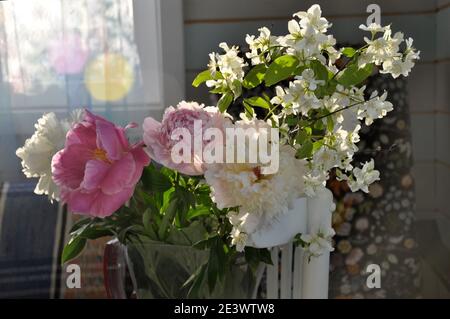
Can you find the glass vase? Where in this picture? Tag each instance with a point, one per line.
(159, 270)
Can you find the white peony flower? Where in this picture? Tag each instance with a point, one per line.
(260, 197)
(319, 243)
(243, 184)
(38, 150)
(363, 177)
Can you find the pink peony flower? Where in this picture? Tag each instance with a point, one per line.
(98, 169)
(157, 136)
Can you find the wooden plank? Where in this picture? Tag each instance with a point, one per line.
(297, 276)
(272, 275)
(286, 272)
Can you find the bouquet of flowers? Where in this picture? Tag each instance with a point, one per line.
(205, 179)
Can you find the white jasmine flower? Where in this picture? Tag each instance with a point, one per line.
(238, 239)
(314, 182)
(260, 45)
(230, 66)
(375, 107)
(243, 225)
(319, 243)
(401, 65)
(299, 96)
(313, 18)
(38, 150)
(333, 53)
(363, 177)
(325, 158)
(309, 80)
(373, 27)
(279, 96)
(309, 44)
(346, 140)
(381, 49)
(212, 65)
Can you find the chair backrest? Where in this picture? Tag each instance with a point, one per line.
(293, 274)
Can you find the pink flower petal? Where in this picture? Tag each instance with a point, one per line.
(119, 175)
(96, 203)
(94, 174)
(68, 165)
(108, 139)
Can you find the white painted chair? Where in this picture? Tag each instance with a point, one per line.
(292, 275)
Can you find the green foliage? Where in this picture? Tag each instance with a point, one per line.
(202, 77)
(73, 248)
(255, 76)
(353, 75)
(225, 101)
(305, 150)
(154, 180)
(256, 255)
(258, 102)
(348, 52)
(280, 69)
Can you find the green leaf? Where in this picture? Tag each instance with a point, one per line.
(258, 101)
(302, 136)
(352, 75)
(202, 77)
(95, 232)
(320, 71)
(317, 145)
(318, 125)
(169, 215)
(146, 217)
(213, 268)
(252, 257)
(280, 69)
(79, 224)
(197, 211)
(154, 180)
(237, 89)
(330, 124)
(73, 248)
(348, 52)
(225, 102)
(196, 279)
(248, 109)
(265, 256)
(305, 150)
(255, 76)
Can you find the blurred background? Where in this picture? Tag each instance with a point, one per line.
(127, 59)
